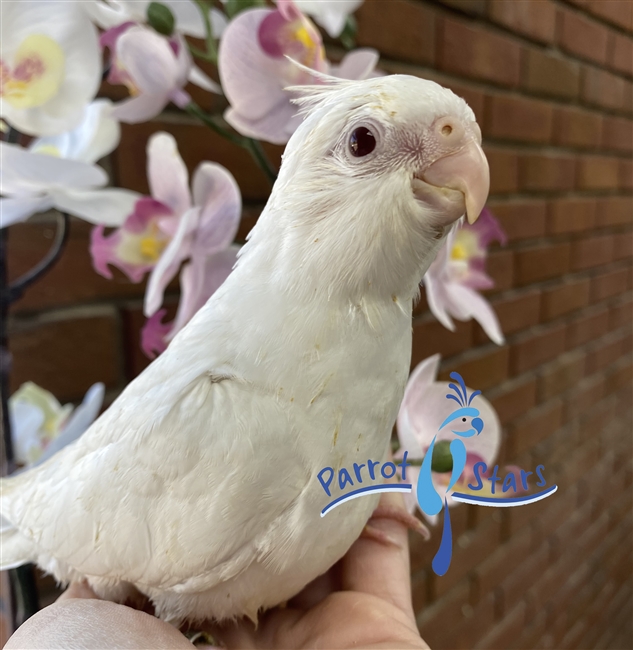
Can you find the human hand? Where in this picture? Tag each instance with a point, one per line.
(364, 601)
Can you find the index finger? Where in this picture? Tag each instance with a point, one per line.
(379, 569)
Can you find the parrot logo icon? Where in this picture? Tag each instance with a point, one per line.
(465, 422)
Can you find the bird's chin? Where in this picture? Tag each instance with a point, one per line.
(445, 205)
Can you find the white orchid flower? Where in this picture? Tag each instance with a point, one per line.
(330, 14)
(59, 172)
(187, 17)
(50, 65)
(41, 426)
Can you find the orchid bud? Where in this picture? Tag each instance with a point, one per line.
(160, 18)
(442, 460)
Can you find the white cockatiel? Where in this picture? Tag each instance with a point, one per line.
(198, 486)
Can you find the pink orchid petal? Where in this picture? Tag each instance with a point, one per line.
(358, 64)
(176, 252)
(146, 210)
(488, 229)
(276, 127)
(140, 108)
(199, 280)
(252, 82)
(154, 334)
(149, 60)
(218, 195)
(104, 252)
(425, 407)
(437, 298)
(467, 304)
(167, 173)
(110, 36)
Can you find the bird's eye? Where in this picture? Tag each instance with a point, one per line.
(463, 419)
(362, 142)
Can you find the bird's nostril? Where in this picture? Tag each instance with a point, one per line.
(447, 129)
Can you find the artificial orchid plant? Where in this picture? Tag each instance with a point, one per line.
(51, 62)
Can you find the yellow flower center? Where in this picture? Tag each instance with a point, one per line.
(37, 73)
(151, 247)
(459, 252)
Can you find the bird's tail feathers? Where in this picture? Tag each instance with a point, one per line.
(15, 549)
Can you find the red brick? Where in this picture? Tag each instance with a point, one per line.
(542, 262)
(617, 133)
(550, 74)
(518, 119)
(536, 20)
(547, 172)
(534, 349)
(575, 127)
(518, 397)
(195, 145)
(432, 622)
(414, 25)
(621, 54)
(431, 337)
(477, 621)
(517, 312)
(615, 11)
(626, 175)
(591, 251)
(614, 210)
(565, 298)
(601, 88)
(524, 576)
(500, 267)
(571, 215)
(598, 173)
(72, 280)
(619, 376)
(506, 631)
(609, 284)
(504, 170)
(500, 563)
(621, 313)
(534, 427)
(606, 352)
(583, 37)
(66, 356)
(481, 369)
(522, 219)
(471, 51)
(588, 327)
(588, 392)
(561, 374)
(474, 7)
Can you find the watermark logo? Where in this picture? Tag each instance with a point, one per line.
(479, 487)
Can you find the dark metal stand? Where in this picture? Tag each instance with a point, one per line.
(24, 598)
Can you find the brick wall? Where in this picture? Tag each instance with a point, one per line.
(551, 85)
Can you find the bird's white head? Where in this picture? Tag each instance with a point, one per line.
(371, 182)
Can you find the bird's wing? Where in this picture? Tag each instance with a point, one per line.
(183, 501)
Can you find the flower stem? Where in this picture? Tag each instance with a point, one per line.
(200, 54)
(254, 147)
(259, 155)
(212, 49)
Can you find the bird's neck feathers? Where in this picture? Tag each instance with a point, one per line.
(327, 244)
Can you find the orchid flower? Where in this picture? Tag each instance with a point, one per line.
(199, 280)
(50, 65)
(41, 426)
(254, 68)
(423, 410)
(58, 172)
(330, 14)
(172, 226)
(458, 272)
(188, 19)
(154, 68)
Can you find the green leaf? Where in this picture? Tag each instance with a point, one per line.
(348, 35)
(160, 18)
(234, 7)
(442, 460)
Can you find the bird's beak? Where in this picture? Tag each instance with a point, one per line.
(467, 171)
